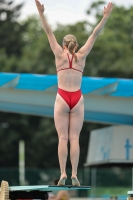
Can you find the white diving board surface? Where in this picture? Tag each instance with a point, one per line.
(47, 188)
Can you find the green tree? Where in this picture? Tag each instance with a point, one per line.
(111, 55)
(11, 31)
(37, 56)
(11, 36)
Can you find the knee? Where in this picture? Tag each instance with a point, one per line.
(73, 138)
(63, 138)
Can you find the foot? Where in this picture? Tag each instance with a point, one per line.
(75, 181)
(62, 181)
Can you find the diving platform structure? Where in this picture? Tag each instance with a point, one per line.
(32, 192)
(130, 195)
(107, 100)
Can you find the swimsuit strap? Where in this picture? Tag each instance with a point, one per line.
(70, 64)
(70, 61)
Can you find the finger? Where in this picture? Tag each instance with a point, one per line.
(37, 2)
(110, 4)
(42, 7)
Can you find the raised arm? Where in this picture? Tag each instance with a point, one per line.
(56, 48)
(91, 40)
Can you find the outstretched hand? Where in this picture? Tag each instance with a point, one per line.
(108, 9)
(40, 6)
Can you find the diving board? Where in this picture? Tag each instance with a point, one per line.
(47, 188)
(33, 192)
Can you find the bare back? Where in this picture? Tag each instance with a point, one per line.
(69, 79)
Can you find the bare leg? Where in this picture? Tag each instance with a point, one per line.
(61, 118)
(76, 123)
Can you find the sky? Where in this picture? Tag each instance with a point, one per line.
(64, 11)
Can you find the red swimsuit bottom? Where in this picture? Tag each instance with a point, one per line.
(71, 98)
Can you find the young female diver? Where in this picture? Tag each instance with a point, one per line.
(69, 103)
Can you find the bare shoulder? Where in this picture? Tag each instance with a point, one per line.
(86, 48)
(80, 55)
(63, 192)
(59, 55)
(62, 195)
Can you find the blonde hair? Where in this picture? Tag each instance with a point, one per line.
(70, 42)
